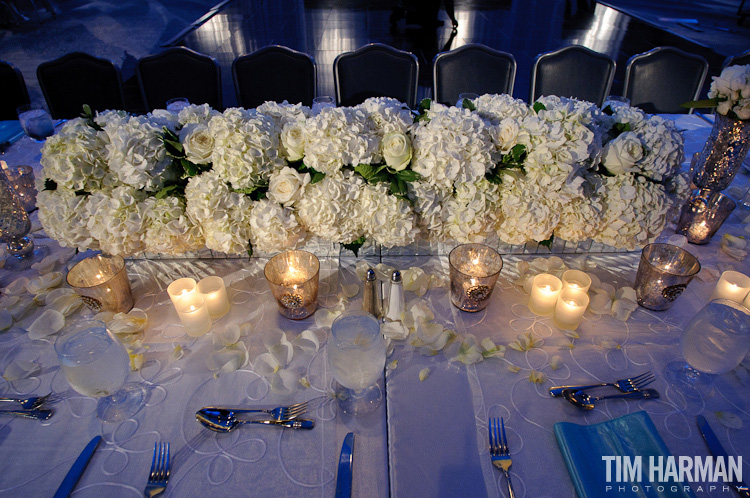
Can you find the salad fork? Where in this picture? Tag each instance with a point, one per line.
(624, 385)
(33, 402)
(499, 451)
(278, 413)
(159, 476)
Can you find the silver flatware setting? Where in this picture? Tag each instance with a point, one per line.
(499, 452)
(160, 470)
(32, 402)
(624, 385)
(278, 413)
(225, 420)
(36, 414)
(587, 402)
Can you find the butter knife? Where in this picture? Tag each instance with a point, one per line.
(717, 450)
(76, 471)
(344, 474)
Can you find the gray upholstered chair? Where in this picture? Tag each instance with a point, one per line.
(572, 71)
(472, 68)
(660, 80)
(742, 59)
(375, 70)
(15, 93)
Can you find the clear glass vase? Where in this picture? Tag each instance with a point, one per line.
(722, 156)
(14, 228)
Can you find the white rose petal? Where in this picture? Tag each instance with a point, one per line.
(66, 304)
(44, 282)
(423, 374)
(324, 318)
(361, 269)
(128, 323)
(50, 322)
(22, 306)
(600, 303)
(308, 341)
(20, 369)
(285, 382)
(46, 265)
(228, 335)
(177, 352)
(228, 359)
(266, 365)
(556, 362)
(394, 330)
(392, 365)
(350, 290)
(16, 287)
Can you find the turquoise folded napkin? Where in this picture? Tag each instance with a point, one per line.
(10, 131)
(631, 436)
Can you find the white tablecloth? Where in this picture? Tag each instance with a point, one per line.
(429, 438)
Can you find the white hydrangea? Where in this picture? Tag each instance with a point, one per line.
(472, 212)
(284, 112)
(222, 214)
(497, 108)
(168, 228)
(135, 152)
(246, 147)
(274, 228)
(331, 209)
(528, 211)
(63, 215)
(75, 157)
(387, 115)
(387, 220)
(196, 114)
(116, 220)
(428, 203)
(732, 89)
(338, 137)
(579, 218)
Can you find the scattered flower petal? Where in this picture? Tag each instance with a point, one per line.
(537, 377)
(513, 368)
(394, 330)
(266, 365)
(361, 269)
(45, 282)
(285, 382)
(423, 374)
(228, 359)
(600, 303)
(6, 320)
(708, 274)
(229, 335)
(50, 322)
(383, 272)
(177, 353)
(556, 362)
(16, 287)
(308, 341)
(46, 265)
(324, 318)
(350, 290)
(734, 246)
(392, 365)
(729, 419)
(304, 382)
(20, 369)
(136, 361)
(128, 323)
(622, 308)
(66, 304)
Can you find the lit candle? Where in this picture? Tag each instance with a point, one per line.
(576, 280)
(215, 293)
(474, 269)
(180, 289)
(193, 314)
(293, 278)
(544, 294)
(732, 285)
(570, 308)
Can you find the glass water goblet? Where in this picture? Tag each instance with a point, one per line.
(36, 122)
(14, 228)
(356, 356)
(714, 342)
(96, 364)
(323, 101)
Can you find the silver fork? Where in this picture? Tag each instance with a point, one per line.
(624, 385)
(278, 413)
(157, 479)
(33, 402)
(499, 451)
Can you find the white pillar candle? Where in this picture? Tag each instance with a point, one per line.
(180, 289)
(193, 314)
(576, 280)
(732, 285)
(570, 307)
(215, 293)
(544, 292)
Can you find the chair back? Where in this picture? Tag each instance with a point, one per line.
(742, 59)
(659, 80)
(15, 93)
(75, 79)
(573, 71)
(179, 72)
(275, 74)
(472, 68)
(375, 70)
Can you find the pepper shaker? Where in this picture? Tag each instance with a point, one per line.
(372, 301)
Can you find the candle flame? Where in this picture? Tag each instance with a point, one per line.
(572, 303)
(473, 281)
(547, 288)
(192, 308)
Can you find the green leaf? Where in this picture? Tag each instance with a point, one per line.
(548, 243)
(494, 178)
(620, 128)
(50, 184)
(355, 245)
(167, 191)
(367, 171)
(317, 176)
(608, 110)
(82, 192)
(701, 103)
(424, 105)
(538, 106)
(468, 104)
(256, 192)
(518, 152)
(249, 249)
(88, 117)
(408, 175)
(87, 110)
(190, 169)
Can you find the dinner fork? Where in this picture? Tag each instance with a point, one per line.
(499, 451)
(33, 402)
(157, 479)
(624, 385)
(278, 413)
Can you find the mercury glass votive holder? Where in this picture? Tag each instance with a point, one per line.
(703, 214)
(474, 269)
(102, 283)
(293, 278)
(663, 274)
(22, 179)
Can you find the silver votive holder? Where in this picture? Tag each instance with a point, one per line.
(663, 274)
(703, 214)
(102, 283)
(474, 269)
(293, 278)
(22, 179)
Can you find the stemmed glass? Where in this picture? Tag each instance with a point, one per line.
(14, 228)
(96, 364)
(714, 342)
(356, 356)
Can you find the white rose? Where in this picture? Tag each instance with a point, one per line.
(286, 186)
(293, 141)
(505, 135)
(397, 150)
(197, 142)
(622, 153)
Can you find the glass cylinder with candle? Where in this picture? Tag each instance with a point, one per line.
(570, 307)
(663, 273)
(102, 282)
(474, 269)
(215, 293)
(180, 289)
(576, 280)
(193, 314)
(293, 279)
(732, 285)
(703, 214)
(22, 179)
(544, 293)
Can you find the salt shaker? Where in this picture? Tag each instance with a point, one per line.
(396, 302)
(372, 302)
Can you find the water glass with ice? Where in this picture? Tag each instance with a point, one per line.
(35, 121)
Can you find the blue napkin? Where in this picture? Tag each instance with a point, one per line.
(632, 435)
(10, 131)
